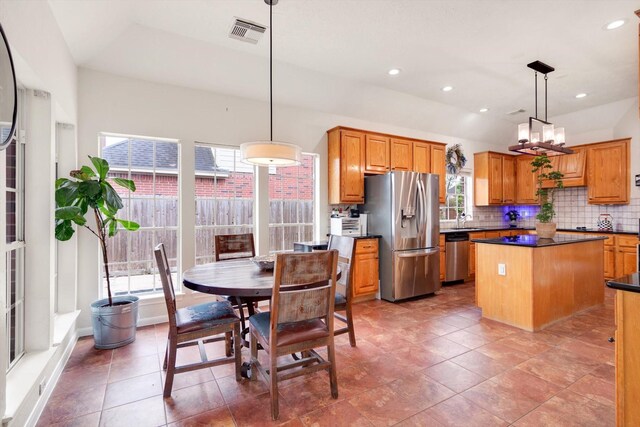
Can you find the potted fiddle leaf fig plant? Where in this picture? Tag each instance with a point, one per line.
(89, 193)
(545, 228)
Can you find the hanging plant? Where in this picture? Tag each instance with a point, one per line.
(455, 159)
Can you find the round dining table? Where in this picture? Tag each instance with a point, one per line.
(236, 277)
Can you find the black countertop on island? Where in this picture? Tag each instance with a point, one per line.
(566, 230)
(533, 241)
(629, 283)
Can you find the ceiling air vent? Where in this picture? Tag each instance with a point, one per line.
(247, 31)
(514, 112)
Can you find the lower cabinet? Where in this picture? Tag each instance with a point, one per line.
(626, 255)
(365, 268)
(627, 364)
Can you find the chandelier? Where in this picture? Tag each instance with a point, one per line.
(270, 153)
(539, 136)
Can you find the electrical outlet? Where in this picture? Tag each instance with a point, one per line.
(502, 270)
(43, 384)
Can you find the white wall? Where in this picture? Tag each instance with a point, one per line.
(111, 103)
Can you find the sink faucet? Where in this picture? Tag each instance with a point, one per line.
(461, 218)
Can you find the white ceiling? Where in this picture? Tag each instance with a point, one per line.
(480, 47)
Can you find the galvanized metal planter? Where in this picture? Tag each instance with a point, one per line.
(114, 326)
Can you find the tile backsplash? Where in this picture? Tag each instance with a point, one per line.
(572, 210)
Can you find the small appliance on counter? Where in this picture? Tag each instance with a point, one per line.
(605, 222)
(345, 226)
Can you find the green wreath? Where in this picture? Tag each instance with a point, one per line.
(455, 159)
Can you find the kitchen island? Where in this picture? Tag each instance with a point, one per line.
(530, 283)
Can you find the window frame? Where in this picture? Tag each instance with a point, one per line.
(467, 195)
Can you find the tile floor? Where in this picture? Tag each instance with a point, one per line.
(428, 362)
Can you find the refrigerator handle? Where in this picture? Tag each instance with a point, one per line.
(420, 218)
(424, 213)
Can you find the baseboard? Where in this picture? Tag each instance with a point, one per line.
(88, 331)
(53, 380)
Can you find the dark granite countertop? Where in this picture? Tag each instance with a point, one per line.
(629, 283)
(575, 230)
(533, 241)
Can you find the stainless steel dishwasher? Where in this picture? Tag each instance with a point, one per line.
(457, 256)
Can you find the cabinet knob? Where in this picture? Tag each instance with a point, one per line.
(611, 339)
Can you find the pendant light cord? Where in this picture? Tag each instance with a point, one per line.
(271, 70)
(545, 97)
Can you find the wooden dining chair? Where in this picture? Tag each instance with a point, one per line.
(236, 246)
(233, 246)
(346, 247)
(196, 325)
(301, 319)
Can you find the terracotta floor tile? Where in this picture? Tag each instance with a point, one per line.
(142, 413)
(596, 389)
(599, 354)
(421, 390)
(526, 343)
(90, 420)
(481, 364)
(505, 403)
(459, 411)
(503, 353)
(84, 354)
(193, 400)
(453, 376)
(187, 379)
(529, 385)
(257, 412)
(73, 404)
(355, 379)
(438, 327)
(605, 372)
(80, 377)
(559, 366)
(421, 419)
(339, 414)
(132, 389)
(459, 321)
(309, 395)
(233, 391)
(445, 347)
(140, 347)
(491, 330)
(569, 409)
(134, 367)
(383, 406)
(467, 339)
(220, 417)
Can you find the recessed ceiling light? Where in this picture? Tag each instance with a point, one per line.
(394, 71)
(615, 24)
(484, 110)
(447, 88)
(581, 95)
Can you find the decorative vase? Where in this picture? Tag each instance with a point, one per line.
(546, 230)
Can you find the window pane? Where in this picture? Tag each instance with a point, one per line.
(153, 165)
(11, 161)
(11, 216)
(224, 197)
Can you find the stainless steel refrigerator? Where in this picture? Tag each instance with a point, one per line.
(403, 208)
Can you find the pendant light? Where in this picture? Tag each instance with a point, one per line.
(271, 153)
(539, 136)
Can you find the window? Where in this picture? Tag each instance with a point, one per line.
(15, 246)
(291, 204)
(458, 198)
(153, 164)
(224, 197)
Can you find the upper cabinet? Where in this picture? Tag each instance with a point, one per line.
(572, 166)
(354, 153)
(526, 181)
(376, 154)
(401, 154)
(494, 176)
(346, 166)
(608, 172)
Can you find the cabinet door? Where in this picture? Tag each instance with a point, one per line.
(421, 157)
(609, 262)
(443, 263)
(401, 154)
(495, 178)
(352, 167)
(376, 154)
(626, 261)
(438, 159)
(365, 274)
(526, 184)
(508, 179)
(472, 259)
(608, 173)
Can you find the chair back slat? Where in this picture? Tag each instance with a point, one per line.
(304, 287)
(167, 283)
(346, 247)
(233, 246)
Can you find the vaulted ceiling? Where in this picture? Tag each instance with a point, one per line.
(481, 48)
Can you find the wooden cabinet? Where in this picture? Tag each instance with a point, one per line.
(365, 268)
(443, 257)
(376, 151)
(438, 166)
(472, 251)
(627, 363)
(401, 154)
(494, 179)
(608, 172)
(572, 166)
(346, 166)
(626, 255)
(422, 157)
(526, 181)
